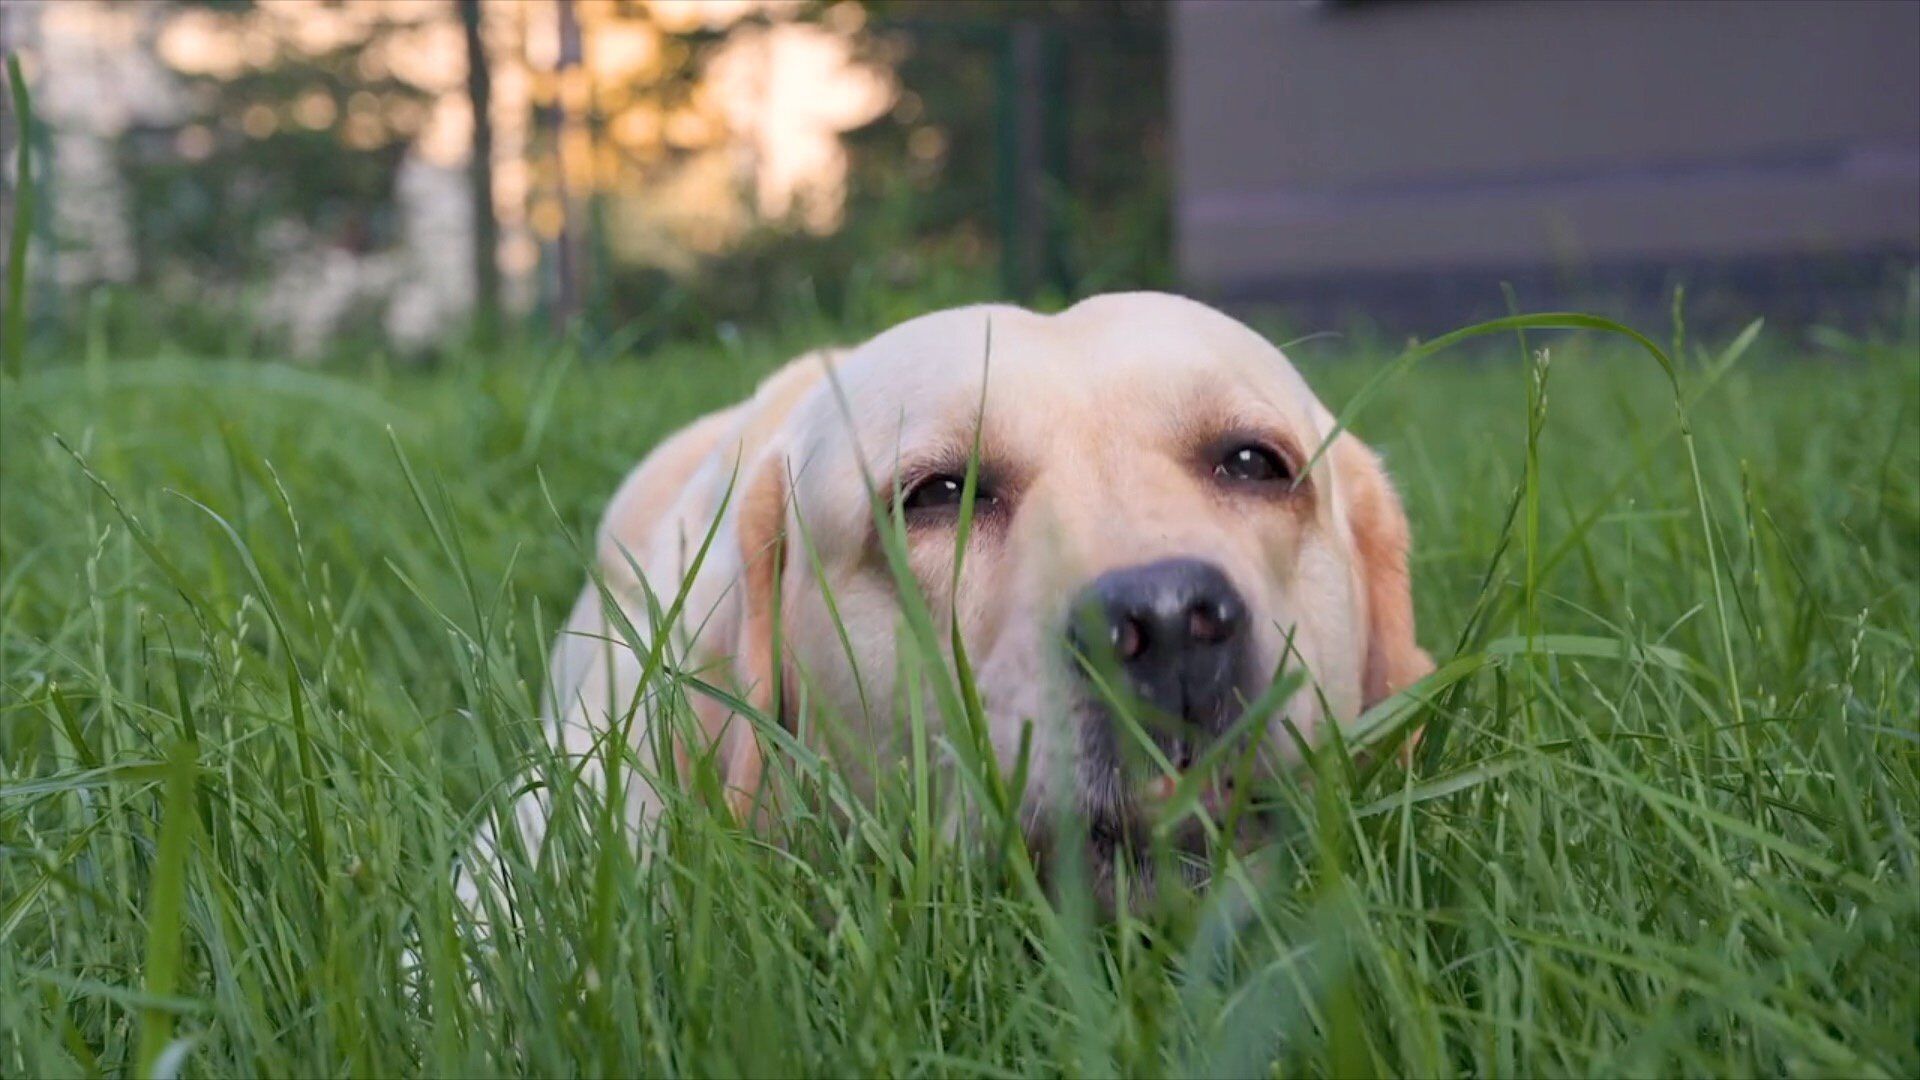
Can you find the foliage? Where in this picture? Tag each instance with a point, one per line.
(925, 211)
(1104, 104)
(272, 641)
(307, 139)
(289, 143)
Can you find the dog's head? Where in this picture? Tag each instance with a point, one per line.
(1147, 548)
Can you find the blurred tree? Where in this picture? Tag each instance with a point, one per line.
(1031, 133)
(662, 166)
(569, 104)
(298, 123)
(486, 225)
(1023, 156)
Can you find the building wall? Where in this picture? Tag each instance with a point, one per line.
(1318, 139)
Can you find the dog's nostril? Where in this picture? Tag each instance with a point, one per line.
(1159, 617)
(1204, 624)
(1212, 621)
(1175, 630)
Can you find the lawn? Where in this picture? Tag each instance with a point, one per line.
(271, 641)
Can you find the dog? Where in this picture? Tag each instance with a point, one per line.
(1155, 531)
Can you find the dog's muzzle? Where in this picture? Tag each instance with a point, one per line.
(1173, 634)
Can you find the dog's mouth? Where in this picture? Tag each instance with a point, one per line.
(1153, 816)
(1182, 789)
(1150, 804)
(1184, 812)
(1152, 789)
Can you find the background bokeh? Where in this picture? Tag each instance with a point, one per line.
(648, 168)
(307, 178)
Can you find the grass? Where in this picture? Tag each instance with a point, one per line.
(272, 643)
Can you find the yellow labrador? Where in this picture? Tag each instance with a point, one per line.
(1139, 497)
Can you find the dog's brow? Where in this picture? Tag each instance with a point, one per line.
(1204, 417)
(944, 457)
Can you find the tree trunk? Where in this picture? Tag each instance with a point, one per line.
(567, 303)
(486, 226)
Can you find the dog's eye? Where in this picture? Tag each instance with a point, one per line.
(937, 493)
(1250, 463)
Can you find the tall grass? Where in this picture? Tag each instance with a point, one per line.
(13, 324)
(273, 644)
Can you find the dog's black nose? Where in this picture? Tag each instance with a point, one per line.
(1175, 628)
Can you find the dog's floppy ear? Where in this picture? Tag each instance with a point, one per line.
(760, 529)
(1394, 660)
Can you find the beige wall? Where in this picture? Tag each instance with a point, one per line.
(1394, 137)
